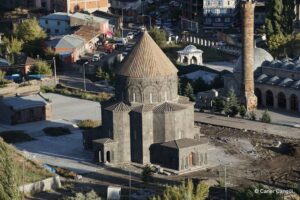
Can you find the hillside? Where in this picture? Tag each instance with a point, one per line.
(23, 170)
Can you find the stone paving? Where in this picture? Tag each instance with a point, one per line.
(281, 130)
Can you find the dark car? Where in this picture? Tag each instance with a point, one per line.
(81, 61)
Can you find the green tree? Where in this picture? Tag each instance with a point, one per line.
(102, 74)
(253, 193)
(276, 43)
(41, 67)
(273, 22)
(147, 174)
(8, 186)
(266, 117)
(185, 191)
(30, 30)
(158, 35)
(231, 107)
(243, 111)
(33, 35)
(218, 104)
(189, 91)
(289, 15)
(13, 45)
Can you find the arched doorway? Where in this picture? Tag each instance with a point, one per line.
(281, 101)
(108, 156)
(185, 60)
(194, 60)
(269, 99)
(294, 103)
(258, 95)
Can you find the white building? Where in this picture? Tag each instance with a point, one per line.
(219, 13)
(56, 23)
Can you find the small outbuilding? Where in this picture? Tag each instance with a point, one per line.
(190, 55)
(24, 109)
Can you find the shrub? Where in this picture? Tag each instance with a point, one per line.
(41, 67)
(147, 174)
(92, 195)
(88, 124)
(185, 191)
(266, 118)
(252, 115)
(243, 111)
(15, 136)
(56, 131)
(218, 104)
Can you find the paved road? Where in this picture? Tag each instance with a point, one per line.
(284, 131)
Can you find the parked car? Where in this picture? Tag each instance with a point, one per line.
(96, 57)
(120, 41)
(130, 35)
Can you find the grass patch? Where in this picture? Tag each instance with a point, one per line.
(56, 131)
(15, 136)
(78, 93)
(88, 124)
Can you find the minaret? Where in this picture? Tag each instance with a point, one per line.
(248, 97)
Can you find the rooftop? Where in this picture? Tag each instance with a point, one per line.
(87, 33)
(83, 16)
(147, 60)
(24, 102)
(183, 143)
(56, 16)
(67, 41)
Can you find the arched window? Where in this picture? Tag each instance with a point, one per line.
(281, 101)
(194, 60)
(258, 95)
(269, 98)
(294, 103)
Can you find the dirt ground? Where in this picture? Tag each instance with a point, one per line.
(265, 159)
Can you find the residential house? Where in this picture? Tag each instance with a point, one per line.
(69, 47)
(129, 9)
(56, 23)
(115, 21)
(90, 36)
(94, 22)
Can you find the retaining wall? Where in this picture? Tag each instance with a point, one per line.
(44, 185)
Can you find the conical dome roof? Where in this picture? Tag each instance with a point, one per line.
(147, 60)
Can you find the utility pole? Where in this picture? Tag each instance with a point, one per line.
(84, 82)
(54, 66)
(122, 22)
(225, 185)
(129, 184)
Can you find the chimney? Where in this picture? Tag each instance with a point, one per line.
(248, 97)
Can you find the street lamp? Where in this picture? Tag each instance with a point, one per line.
(84, 83)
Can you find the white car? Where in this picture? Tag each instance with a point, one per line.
(130, 35)
(96, 58)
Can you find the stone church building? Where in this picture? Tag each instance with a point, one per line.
(149, 122)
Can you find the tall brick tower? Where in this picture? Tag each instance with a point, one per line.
(248, 97)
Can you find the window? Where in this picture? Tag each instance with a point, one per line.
(46, 21)
(48, 30)
(133, 97)
(58, 23)
(228, 3)
(218, 19)
(56, 31)
(227, 19)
